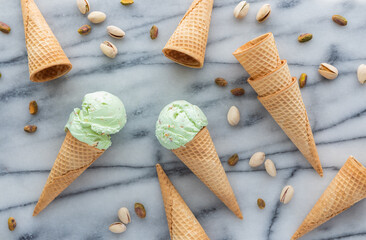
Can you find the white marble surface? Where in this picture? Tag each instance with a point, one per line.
(145, 80)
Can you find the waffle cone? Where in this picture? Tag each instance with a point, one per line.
(72, 160)
(347, 188)
(46, 59)
(272, 82)
(201, 157)
(259, 56)
(187, 45)
(288, 110)
(182, 224)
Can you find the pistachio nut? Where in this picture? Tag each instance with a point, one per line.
(97, 17)
(12, 223)
(302, 80)
(305, 37)
(84, 30)
(117, 227)
(221, 82)
(124, 215)
(270, 168)
(233, 160)
(83, 6)
(115, 32)
(328, 71)
(241, 10)
(257, 159)
(4, 27)
(263, 13)
(30, 128)
(109, 49)
(287, 194)
(261, 203)
(361, 73)
(233, 116)
(33, 107)
(126, 2)
(140, 210)
(338, 19)
(237, 91)
(154, 31)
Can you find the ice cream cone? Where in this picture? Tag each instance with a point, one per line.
(259, 56)
(72, 160)
(183, 225)
(201, 157)
(187, 45)
(288, 110)
(347, 188)
(46, 59)
(272, 82)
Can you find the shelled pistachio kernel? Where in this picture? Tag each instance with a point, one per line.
(233, 160)
(30, 128)
(237, 91)
(140, 210)
(340, 20)
(220, 82)
(154, 31)
(305, 37)
(261, 203)
(126, 2)
(302, 80)
(33, 107)
(84, 30)
(12, 224)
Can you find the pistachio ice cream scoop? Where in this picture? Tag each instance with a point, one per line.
(101, 115)
(178, 124)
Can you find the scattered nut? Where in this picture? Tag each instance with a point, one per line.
(117, 227)
(154, 31)
(233, 116)
(33, 107)
(4, 27)
(261, 203)
(126, 2)
(361, 73)
(287, 194)
(237, 91)
(257, 159)
(328, 71)
(338, 19)
(221, 82)
(263, 13)
(12, 224)
(270, 168)
(0, 75)
(233, 160)
(140, 210)
(115, 32)
(305, 37)
(83, 6)
(97, 17)
(241, 10)
(302, 80)
(30, 128)
(109, 49)
(84, 30)
(124, 215)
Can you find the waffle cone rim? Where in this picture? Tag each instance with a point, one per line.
(240, 50)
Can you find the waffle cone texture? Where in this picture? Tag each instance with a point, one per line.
(72, 160)
(46, 59)
(347, 188)
(182, 224)
(187, 45)
(200, 156)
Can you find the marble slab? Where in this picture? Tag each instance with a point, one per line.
(146, 81)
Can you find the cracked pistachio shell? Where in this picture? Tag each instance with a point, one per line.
(109, 49)
(241, 10)
(97, 17)
(328, 71)
(361, 73)
(83, 6)
(263, 13)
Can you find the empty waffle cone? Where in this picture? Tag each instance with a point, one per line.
(72, 160)
(200, 156)
(288, 110)
(187, 45)
(272, 82)
(259, 56)
(46, 59)
(182, 224)
(347, 188)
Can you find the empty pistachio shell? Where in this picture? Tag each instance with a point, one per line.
(257, 159)
(263, 13)
(109, 49)
(328, 71)
(361, 73)
(241, 10)
(84, 30)
(97, 17)
(117, 227)
(115, 32)
(338, 19)
(124, 215)
(233, 116)
(83, 6)
(270, 168)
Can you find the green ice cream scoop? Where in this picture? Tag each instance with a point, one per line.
(178, 124)
(102, 114)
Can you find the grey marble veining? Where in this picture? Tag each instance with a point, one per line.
(146, 81)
